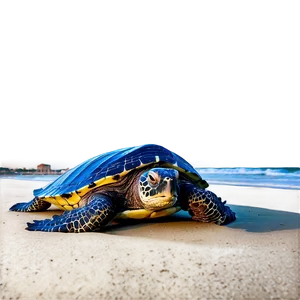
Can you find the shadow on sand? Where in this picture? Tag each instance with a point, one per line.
(250, 219)
(256, 219)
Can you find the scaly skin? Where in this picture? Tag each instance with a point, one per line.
(34, 205)
(96, 214)
(204, 206)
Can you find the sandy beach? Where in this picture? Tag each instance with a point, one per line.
(256, 257)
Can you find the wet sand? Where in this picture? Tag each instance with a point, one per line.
(255, 257)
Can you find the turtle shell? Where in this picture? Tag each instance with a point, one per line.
(67, 190)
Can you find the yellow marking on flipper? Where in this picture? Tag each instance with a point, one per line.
(134, 214)
(61, 200)
(74, 199)
(67, 207)
(52, 200)
(165, 212)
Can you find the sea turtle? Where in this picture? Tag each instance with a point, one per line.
(147, 181)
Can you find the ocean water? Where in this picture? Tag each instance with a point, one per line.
(282, 178)
(31, 177)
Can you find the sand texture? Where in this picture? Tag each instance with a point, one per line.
(256, 257)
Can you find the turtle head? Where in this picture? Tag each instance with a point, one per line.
(158, 188)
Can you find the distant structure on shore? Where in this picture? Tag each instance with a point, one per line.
(44, 168)
(62, 171)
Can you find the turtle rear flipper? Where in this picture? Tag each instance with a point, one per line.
(88, 218)
(34, 205)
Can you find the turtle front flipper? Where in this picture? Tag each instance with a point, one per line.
(34, 205)
(204, 206)
(96, 214)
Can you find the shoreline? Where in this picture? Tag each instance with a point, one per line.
(295, 188)
(257, 256)
(288, 200)
(211, 183)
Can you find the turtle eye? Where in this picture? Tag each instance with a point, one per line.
(152, 178)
